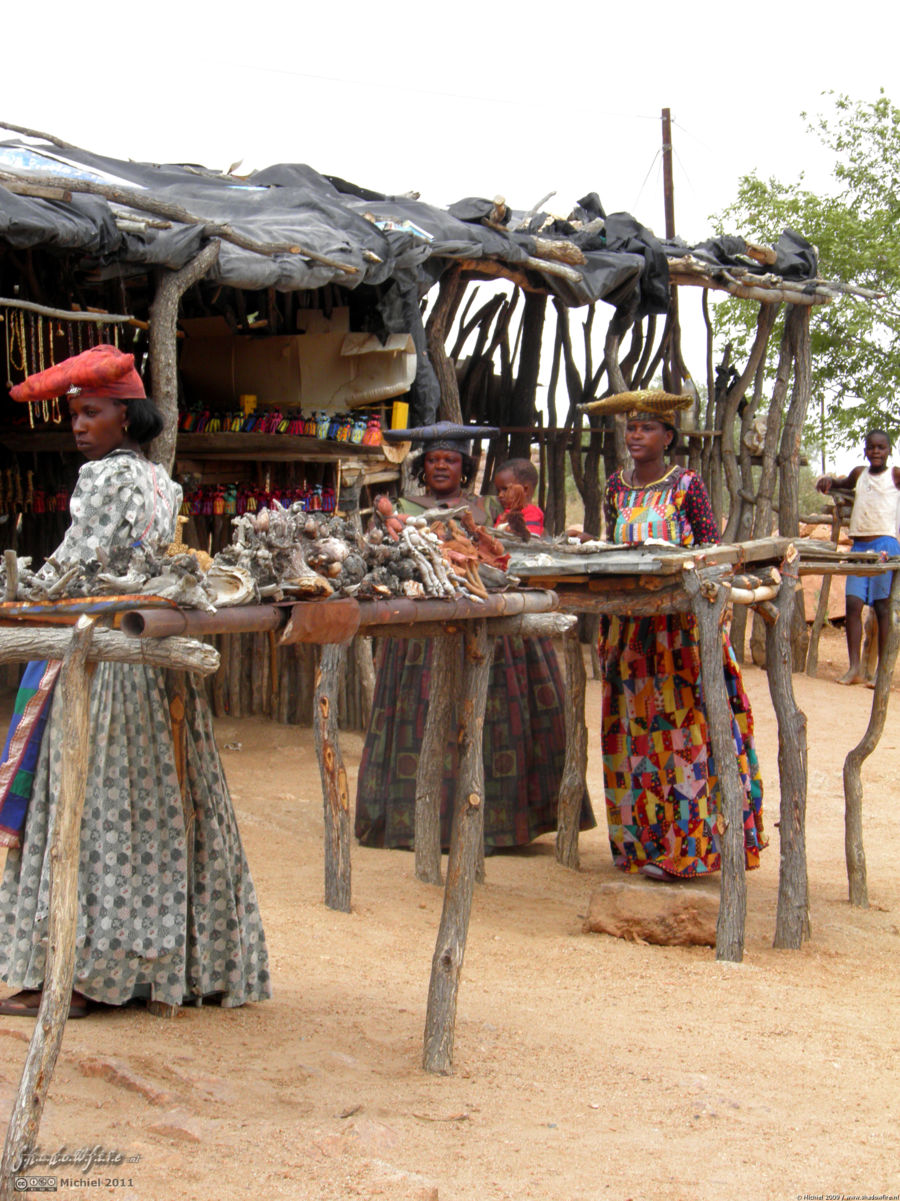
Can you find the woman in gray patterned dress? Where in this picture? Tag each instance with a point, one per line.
(165, 912)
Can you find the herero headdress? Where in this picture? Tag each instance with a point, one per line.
(444, 435)
(102, 371)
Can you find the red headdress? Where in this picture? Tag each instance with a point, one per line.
(101, 371)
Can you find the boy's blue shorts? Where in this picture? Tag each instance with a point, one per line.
(872, 588)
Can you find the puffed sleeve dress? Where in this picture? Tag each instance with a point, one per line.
(167, 907)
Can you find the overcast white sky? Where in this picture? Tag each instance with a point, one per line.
(457, 100)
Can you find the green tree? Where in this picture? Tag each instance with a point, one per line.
(856, 228)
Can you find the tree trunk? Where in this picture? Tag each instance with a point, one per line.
(792, 918)
(466, 847)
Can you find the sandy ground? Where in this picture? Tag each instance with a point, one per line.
(586, 1067)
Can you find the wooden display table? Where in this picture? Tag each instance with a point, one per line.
(154, 632)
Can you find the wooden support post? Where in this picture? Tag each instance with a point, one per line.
(853, 840)
(574, 777)
(792, 917)
(59, 973)
(442, 696)
(334, 778)
(437, 328)
(467, 840)
(11, 563)
(812, 653)
(730, 820)
(365, 670)
(163, 354)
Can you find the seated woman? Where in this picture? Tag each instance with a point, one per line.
(662, 789)
(168, 910)
(524, 726)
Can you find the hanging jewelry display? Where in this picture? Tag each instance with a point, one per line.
(32, 343)
(45, 404)
(7, 347)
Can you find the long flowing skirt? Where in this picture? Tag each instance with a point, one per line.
(167, 907)
(662, 790)
(524, 746)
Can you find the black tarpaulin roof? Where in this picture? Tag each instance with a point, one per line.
(288, 227)
(366, 237)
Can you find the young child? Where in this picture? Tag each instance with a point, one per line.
(873, 526)
(515, 481)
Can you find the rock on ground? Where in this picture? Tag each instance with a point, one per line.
(669, 915)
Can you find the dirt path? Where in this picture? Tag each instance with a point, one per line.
(585, 1067)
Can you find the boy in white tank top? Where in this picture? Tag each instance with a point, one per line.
(873, 526)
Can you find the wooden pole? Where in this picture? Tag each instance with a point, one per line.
(671, 365)
(442, 694)
(574, 777)
(853, 795)
(163, 354)
(185, 654)
(812, 654)
(59, 972)
(708, 604)
(436, 332)
(334, 779)
(728, 413)
(792, 916)
(466, 841)
(365, 670)
(668, 185)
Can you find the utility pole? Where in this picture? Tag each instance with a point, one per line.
(672, 369)
(668, 188)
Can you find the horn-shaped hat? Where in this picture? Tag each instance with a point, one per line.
(443, 435)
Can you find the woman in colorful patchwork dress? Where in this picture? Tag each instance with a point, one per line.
(662, 791)
(168, 910)
(524, 725)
